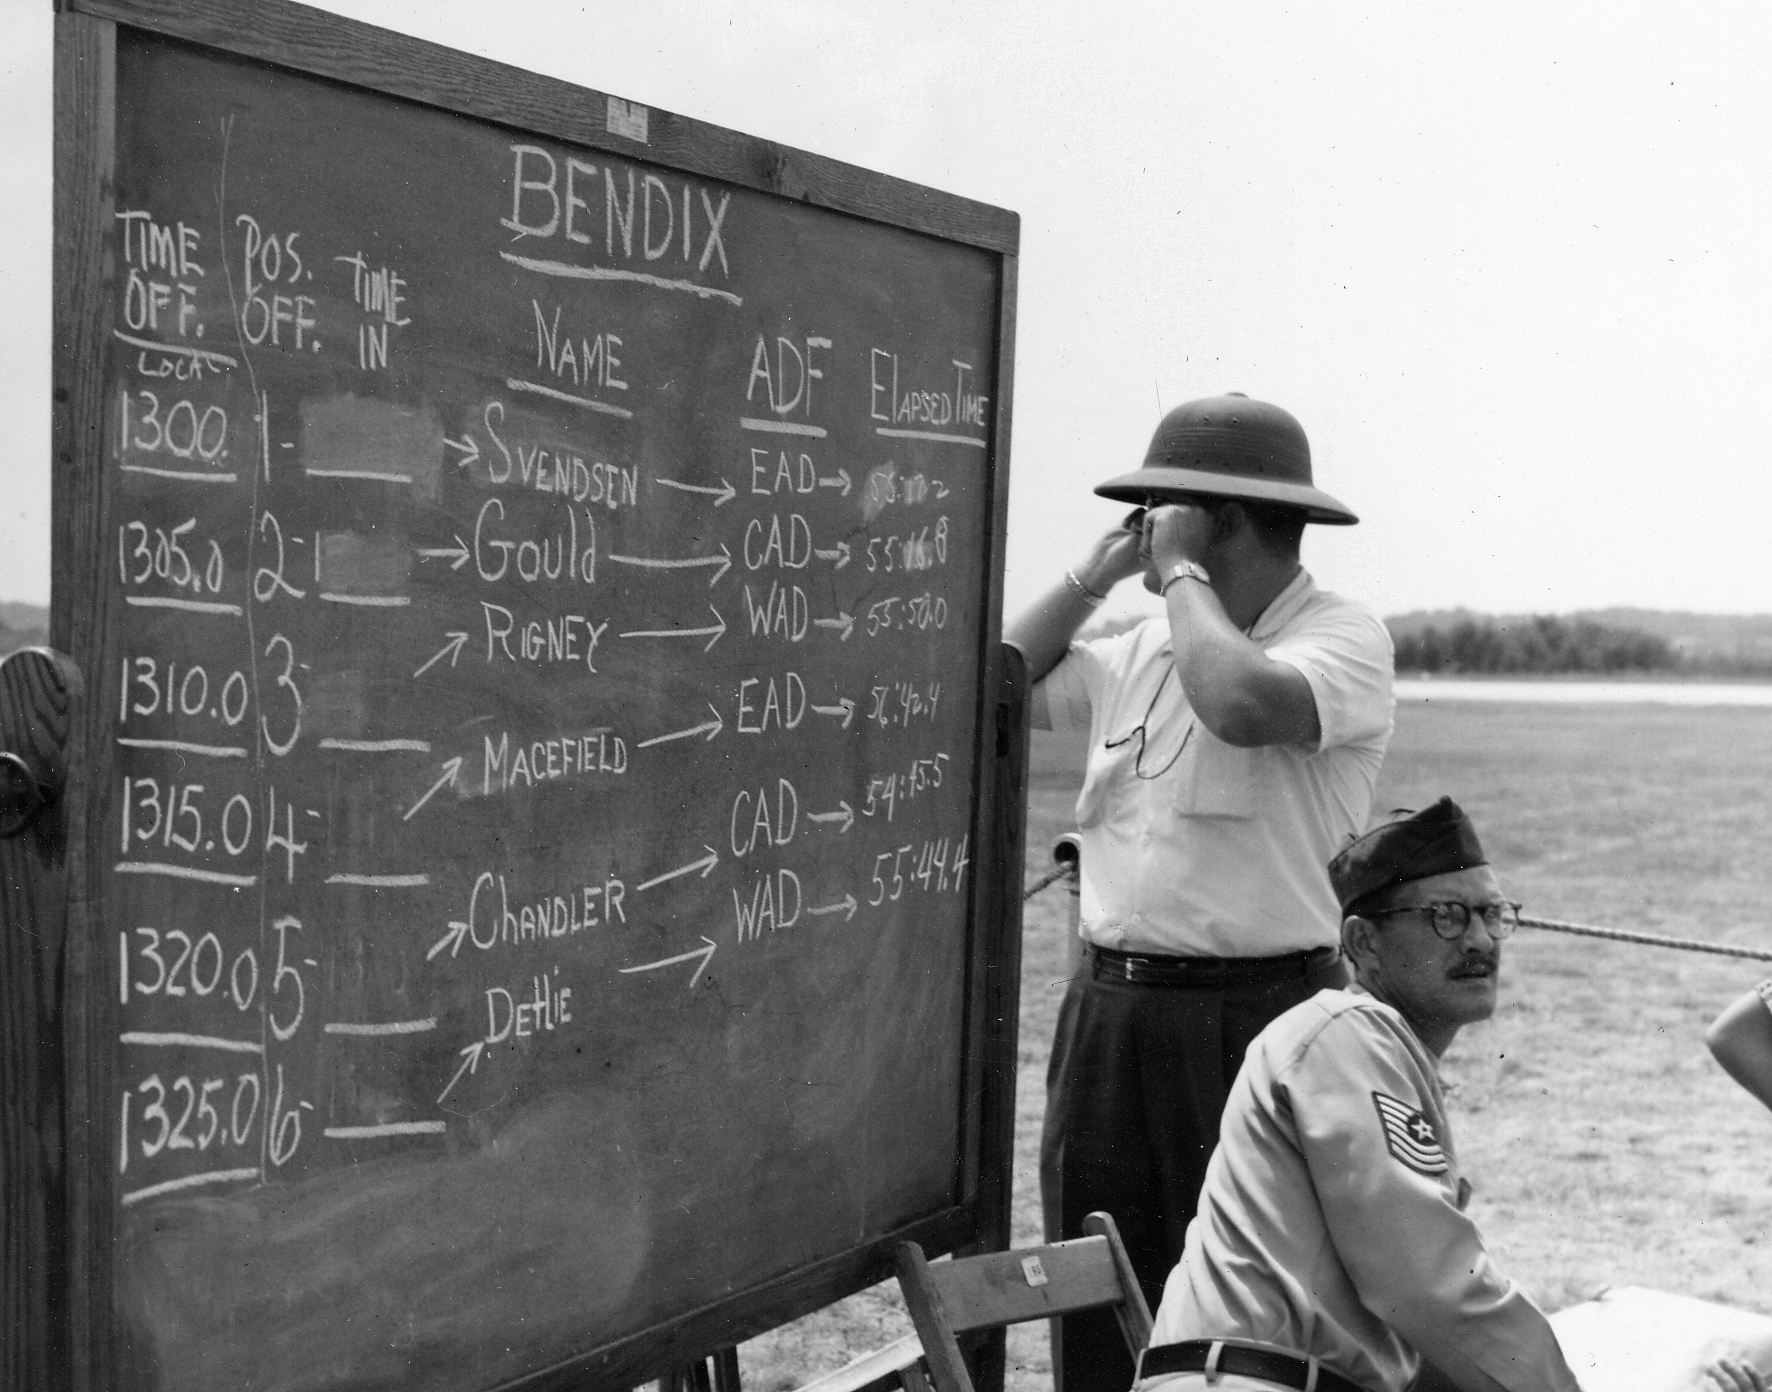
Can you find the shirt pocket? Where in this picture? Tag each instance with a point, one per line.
(1215, 779)
(1108, 769)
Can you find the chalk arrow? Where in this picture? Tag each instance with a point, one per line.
(705, 864)
(451, 940)
(721, 495)
(469, 448)
(451, 649)
(459, 551)
(722, 562)
(705, 953)
(717, 631)
(838, 553)
(845, 906)
(708, 727)
(843, 623)
(845, 708)
(470, 1062)
(450, 769)
(844, 814)
(840, 481)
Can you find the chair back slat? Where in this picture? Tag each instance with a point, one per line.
(948, 1298)
(1059, 1278)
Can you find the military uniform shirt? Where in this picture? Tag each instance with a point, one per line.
(1331, 1221)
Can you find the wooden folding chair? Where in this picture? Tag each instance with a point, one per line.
(999, 1288)
(897, 1365)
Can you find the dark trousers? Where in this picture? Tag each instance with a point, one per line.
(1134, 1092)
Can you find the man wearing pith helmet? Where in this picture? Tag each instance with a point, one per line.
(1331, 1250)
(1234, 738)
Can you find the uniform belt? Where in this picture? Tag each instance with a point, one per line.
(1214, 1356)
(1156, 969)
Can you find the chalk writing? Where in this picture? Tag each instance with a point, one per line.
(956, 402)
(508, 765)
(177, 429)
(546, 613)
(914, 866)
(643, 216)
(380, 292)
(782, 374)
(585, 361)
(923, 549)
(568, 551)
(548, 1007)
(903, 703)
(907, 613)
(886, 791)
(152, 305)
(492, 921)
(569, 638)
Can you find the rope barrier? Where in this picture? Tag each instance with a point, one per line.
(1647, 939)
(1064, 872)
(1553, 925)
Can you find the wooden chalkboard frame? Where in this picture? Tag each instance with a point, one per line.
(73, 1345)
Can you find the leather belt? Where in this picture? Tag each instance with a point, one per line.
(1155, 969)
(1214, 1356)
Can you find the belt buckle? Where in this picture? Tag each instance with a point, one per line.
(1141, 971)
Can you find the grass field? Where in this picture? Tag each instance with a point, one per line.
(1605, 1147)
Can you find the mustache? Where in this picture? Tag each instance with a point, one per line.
(1476, 964)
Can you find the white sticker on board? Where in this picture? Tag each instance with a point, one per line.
(1033, 1271)
(627, 118)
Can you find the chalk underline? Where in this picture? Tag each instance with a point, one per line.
(936, 435)
(569, 271)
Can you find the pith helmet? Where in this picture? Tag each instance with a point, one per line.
(1230, 447)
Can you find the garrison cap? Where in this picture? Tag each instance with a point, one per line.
(1409, 845)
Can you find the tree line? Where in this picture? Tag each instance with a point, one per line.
(1545, 643)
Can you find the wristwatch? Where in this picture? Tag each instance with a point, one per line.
(1184, 570)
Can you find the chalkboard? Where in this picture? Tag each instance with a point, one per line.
(537, 577)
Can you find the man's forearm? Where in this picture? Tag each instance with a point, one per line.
(1240, 693)
(1044, 630)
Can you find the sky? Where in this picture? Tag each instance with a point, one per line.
(1506, 262)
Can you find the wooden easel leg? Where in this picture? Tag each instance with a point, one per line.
(718, 1372)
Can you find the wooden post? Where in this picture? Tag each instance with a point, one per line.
(37, 689)
(1003, 1006)
(1067, 855)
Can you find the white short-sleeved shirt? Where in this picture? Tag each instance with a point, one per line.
(1332, 1218)
(1195, 847)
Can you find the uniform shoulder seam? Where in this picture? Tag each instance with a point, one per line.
(1371, 1015)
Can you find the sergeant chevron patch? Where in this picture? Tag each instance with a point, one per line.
(1410, 1135)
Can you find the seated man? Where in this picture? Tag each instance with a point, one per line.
(1331, 1251)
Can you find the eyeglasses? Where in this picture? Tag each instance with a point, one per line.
(1138, 732)
(1451, 918)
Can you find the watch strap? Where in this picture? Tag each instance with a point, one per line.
(1185, 570)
